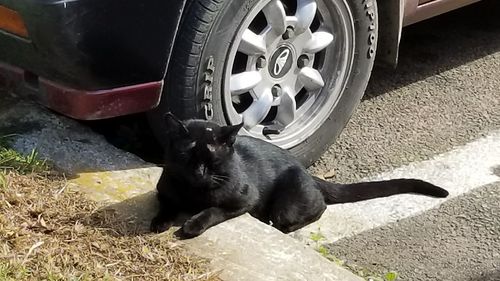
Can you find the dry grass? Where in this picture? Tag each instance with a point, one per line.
(48, 232)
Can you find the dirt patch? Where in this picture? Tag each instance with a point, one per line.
(48, 232)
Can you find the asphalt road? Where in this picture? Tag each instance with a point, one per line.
(460, 240)
(444, 94)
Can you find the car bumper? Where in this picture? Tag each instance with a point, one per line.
(85, 53)
(83, 104)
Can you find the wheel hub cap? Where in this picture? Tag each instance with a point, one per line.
(281, 62)
(287, 68)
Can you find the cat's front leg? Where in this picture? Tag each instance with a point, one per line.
(207, 218)
(160, 223)
(165, 217)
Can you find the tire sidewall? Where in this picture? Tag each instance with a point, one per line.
(209, 90)
(218, 46)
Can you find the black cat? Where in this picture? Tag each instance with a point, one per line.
(216, 175)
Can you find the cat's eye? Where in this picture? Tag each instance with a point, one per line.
(211, 147)
(185, 145)
(190, 145)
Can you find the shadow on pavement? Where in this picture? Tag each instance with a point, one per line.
(131, 217)
(490, 276)
(440, 44)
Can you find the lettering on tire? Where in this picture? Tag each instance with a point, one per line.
(208, 80)
(372, 37)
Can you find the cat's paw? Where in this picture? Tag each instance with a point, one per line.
(190, 229)
(159, 225)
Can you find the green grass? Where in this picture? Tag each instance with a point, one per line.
(11, 272)
(317, 237)
(12, 160)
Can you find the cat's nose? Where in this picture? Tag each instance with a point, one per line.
(202, 170)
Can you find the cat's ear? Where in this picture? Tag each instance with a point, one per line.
(174, 125)
(228, 134)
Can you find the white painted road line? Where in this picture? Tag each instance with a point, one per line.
(458, 171)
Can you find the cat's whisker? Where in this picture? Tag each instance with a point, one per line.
(221, 176)
(219, 179)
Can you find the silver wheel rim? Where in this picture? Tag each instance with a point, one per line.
(276, 78)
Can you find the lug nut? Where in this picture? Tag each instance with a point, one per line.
(303, 61)
(270, 131)
(261, 62)
(289, 33)
(276, 91)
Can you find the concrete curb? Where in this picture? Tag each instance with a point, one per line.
(242, 248)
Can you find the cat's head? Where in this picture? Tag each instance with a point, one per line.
(199, 148)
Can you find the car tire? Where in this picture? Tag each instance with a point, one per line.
(199, 77)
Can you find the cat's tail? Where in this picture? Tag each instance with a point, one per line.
(345, 193)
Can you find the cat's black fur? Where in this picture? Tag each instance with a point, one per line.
(216, 175)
